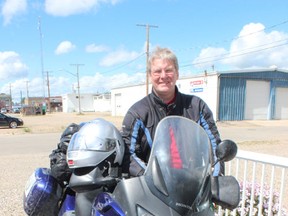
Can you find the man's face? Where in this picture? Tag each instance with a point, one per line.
(163, 77)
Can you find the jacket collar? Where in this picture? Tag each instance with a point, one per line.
(159, 101)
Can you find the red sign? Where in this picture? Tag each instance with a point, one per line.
(196, 82)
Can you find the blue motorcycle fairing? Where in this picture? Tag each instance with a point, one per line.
(42, 194)
(68, 206)
(104, 204)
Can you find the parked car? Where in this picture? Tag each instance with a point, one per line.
(16, 110)
(10, 121)
(3, 110)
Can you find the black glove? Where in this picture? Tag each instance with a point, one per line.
(58, 164)
(59, 167)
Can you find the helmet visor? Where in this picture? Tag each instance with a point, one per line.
(90, 142)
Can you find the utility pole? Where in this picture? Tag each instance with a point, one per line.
(78, 85)
(48, 86)
(21, 99)
(147, 52)
(10, 97)
(42, 59)
(27, 92)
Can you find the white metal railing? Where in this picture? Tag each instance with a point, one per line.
(262, 182)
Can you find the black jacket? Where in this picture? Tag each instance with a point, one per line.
(142, 118)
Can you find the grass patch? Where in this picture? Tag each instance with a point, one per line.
(259, 142)
(81, 113)
(27, 130)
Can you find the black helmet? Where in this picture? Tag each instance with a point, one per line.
(96, 141)
(67, 135)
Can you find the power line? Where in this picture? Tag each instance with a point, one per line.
(234, 38)
(238, 37)
(236, 55)
(125, 64)
(205, 59)
(270, 27)
(249, 48)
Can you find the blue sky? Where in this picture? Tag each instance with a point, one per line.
(105, 38)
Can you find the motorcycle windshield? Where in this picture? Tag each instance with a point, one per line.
(179, 163)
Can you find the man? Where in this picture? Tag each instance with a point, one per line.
(141, 120)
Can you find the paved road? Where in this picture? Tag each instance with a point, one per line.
(254, 132)
(28, 143)
(19, 156)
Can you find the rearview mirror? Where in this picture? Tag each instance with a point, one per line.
(225, 191)
(226, 150)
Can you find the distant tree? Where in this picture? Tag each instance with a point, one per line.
(2, 103)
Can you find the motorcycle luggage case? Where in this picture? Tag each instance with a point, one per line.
(42, 194)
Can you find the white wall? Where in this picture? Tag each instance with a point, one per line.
(68, 103)
(205, 87)
(71, 103)
(102, 103)
(123, 98)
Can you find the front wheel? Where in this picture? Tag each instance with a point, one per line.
(13, 124)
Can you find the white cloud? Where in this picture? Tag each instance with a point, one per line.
(12, 8)
(35, 87)
(71, 7)
(207, 56)
(123, 79)
(253, 48)
(118, 57)
(64, 47)
(101, 83)
(21, 87)
(93, 48)
(18, 89)
(64, 82)
(11, 65)
(256, 48)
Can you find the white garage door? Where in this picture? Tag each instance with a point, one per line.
(257, 100)
(281, 103)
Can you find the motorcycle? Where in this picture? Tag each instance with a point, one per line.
(178, 179)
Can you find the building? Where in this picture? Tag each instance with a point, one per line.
(102, 102)
(56, 103)
(231, 95)
(35, 101)
(88, 102)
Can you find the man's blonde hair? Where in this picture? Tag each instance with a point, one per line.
(162, 53)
